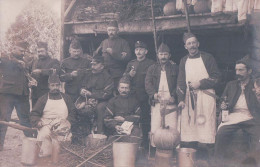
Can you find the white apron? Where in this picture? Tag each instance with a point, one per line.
(205, 105)
(53, 112)
(240, 113)
(156, 119)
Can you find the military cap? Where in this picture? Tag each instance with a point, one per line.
(22, 44)
(75, 44)
(113, 24)
(140, 44)
(54, 78)
(97, 59)
(125, 79)
(41, 44)
(163, 48)
(187, 35)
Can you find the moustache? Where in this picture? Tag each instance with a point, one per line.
(238, 76)
(124, 93)
(55, 91)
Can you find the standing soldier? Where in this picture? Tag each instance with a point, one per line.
(41, 69)
(136, 70)
(160, 85)
(73, 69)
(116, 52)
(14, 90)
(198, 74)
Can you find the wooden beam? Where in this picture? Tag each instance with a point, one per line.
(162, 24)
(69, 8)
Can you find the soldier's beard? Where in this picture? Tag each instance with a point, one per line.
(55, 91)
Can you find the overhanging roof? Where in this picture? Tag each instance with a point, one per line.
(163, 23)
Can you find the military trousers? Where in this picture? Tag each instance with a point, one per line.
(7, 104)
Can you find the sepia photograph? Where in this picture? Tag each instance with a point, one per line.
(130, 83)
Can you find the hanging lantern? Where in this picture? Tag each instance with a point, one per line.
(166, 139)
(201, 6)
(169, 8)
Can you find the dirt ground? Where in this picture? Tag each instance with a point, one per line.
(11, 155)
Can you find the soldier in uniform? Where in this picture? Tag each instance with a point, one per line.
(41, 69)
(136, 70)
(160, 85)
(14, 90)
(116, 52)
(123, 107)
(73, 69)
(98, 85)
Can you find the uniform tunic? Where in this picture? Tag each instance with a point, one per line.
(42, 79)
(73, 84)
(14, 93)
(99, 84)
(138, 81)
(116, 63)
(163, 83)
(124, 106)
(244, 114)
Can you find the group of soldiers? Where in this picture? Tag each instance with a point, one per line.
(116, 89)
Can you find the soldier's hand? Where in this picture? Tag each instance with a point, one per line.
(156, 96)
(22, 63)
(119, 119)
(109, 50)
(36, 71)
(74, 73)
(181, 105)
(119, 129)
(123, 54)
(132, 73)
(195, 85)
(39, 125)
(85, 93)
(171, 100)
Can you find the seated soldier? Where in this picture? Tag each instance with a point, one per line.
(97, 88)
(52, 115)
(123, 109)
(244, 113)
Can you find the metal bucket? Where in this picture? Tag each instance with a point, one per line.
(30, 151)
(124, 154)
(186, 157)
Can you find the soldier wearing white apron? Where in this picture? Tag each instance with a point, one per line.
(51, 113)
(160, 84)
(198, 74)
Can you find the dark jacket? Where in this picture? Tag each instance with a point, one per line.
(207, 83)
(126, 107)
(38, 108)
(12, 77)
(100, 85)
(138, 81)
(42, 78)
(73, 84)
(115, 63)
(233, 92)
(152, 79)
